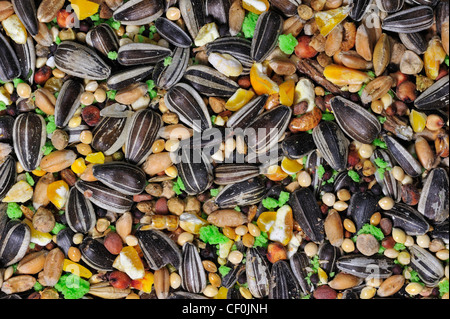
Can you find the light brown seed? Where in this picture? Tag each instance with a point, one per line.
(333, 228)
(53, 266)
(381, 54)
(162, 283)
(391, 285)
(18, 284)
(32, 263)
(58, 160)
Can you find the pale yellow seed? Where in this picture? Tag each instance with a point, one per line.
(235, 257)
(347, 245)
(398, 235)
(391, 253)
(210, 291)
(132, 295)
(87, 98)
(386, 203)
(311, 249)
(423, 241)
(368, 293)
(409, 241)
(86, 137)
(100, 95)
(340, 206)
(175, 280)
(304, 179)
(442, 254)
(245, 293)
(23, 90)
(173, 13)
(84, 149)
(185, 238)
(171, 171)
(77, 238)
(131, 240)
(91, 86)
(172, 145)
(398, 173)
(329, 199)
(75, 122)
(57, 73)
(414, 288)
(407, 180)
(374, 282)
(404, 258)
(19, 168)
(241, 230)
(365, 151)
(214, 279)
(9, 87)
(158, 146)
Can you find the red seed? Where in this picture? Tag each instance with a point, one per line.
(91, 115)
(410, 194)
(161, 206)
(42, 75)
(353, 158)
(303, 49)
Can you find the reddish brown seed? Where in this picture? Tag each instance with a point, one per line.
(410, 194)
(406, 91)
(401, 108)
(91, 115)
(42, 75)
(353, 158)
(386, 226)
(113, 243)
(161, 206)
(398, 77)
(68, 176)
(324, 292)
(142, 197)
(244, 82)
(388, 242)
(300, 108)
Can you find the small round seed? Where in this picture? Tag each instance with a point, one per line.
(74, 254)
(173, 13)
(245, 293)
(23, 90)
(349, 225)
(75, 122)
(229, 232)
(210, 291)
(78, 238)
(442, 254)
(91, 86)
(423, 241)
(248, 240)
(84, 149)
(375, 219)
(365, 151)
(235, 257)
(311, 249)
(347, 245)
(414, 288)
(172, 145)
(304, 179)
(175, 280)
(241, 230)
(100, 95)
(87, 98)
(386, 203)
(409, 241)
(374, 282)
(343, 195)
(102, 224)
(131, 240)
(398, 235)
(391, 253)
(368, 293)
(214, 279)
(404, 258)
(209, 266)
(158, 146)
(329, 199)
(340, 206)
(253, 230)
(185, 237)
(86, 137)
(171, 171)
(398, 173)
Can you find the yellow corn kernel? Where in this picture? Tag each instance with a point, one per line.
(95, 158)
(78, 166)
(341, 75)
